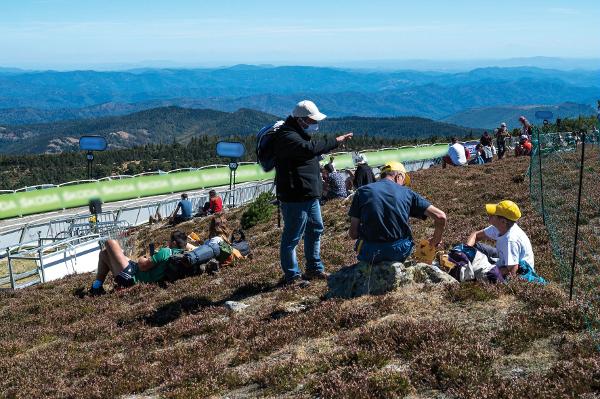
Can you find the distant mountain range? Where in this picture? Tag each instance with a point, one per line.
(168, 124)
(37, 97)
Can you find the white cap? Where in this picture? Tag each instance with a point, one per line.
(360, 158)
(503, 124)
(308, 109)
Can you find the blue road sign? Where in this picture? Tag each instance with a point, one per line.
(228, 149)
(543, 115)
(92, 143)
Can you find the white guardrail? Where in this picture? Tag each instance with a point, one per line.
(71, 244)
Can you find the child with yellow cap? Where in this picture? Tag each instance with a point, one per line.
(513, 249)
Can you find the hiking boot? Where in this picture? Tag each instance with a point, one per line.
(315, 275)
(96, 291)
(296, 282)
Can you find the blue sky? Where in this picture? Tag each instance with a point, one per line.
(69, 34)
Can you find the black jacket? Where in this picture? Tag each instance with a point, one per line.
(363, 175)
(297, 170)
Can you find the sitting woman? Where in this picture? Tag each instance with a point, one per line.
(478, 158)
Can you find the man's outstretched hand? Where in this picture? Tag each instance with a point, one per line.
(344, 137)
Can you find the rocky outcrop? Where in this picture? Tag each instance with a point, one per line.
(365, 279)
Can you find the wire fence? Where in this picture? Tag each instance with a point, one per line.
(564, 186)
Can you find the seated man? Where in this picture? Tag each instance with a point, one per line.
(379, 217)
(513, 249)
(186, 210)
(523, 148)
(214, 204)
(336, 183)
(127, 272)
(477, 159)
(457, 154)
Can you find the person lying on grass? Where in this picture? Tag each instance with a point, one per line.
(128, 272)
(513, 249)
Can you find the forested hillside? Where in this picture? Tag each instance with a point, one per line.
(167, 124)
(28, 170)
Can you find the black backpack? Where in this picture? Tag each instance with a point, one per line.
(240, 242)
(264, 146)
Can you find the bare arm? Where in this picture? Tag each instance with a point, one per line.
(353, 231)
(476, 236)
(439, 221)
(145, 263)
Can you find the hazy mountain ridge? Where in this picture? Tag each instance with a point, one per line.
(79, 89)
(168, 124)
(492, 117)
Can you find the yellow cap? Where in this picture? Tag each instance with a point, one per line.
(506, 209)
(396, 167)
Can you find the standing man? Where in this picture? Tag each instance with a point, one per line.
(379, 217)
(501, 136)
(525, 128)
(299, 188)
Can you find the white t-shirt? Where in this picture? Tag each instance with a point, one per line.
(456, 152)
(214, 240)
(513, 247)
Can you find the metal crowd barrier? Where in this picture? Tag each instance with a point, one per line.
(131, 215)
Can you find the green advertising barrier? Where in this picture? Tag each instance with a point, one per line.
(56, 198)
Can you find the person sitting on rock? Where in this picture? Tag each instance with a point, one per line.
(128, 272)
(379, 217)
(512, 253)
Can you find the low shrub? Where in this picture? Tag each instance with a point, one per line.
(472, 291)
(357, 383)
(260, 210)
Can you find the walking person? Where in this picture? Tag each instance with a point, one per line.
(299, 187)
(501, 135)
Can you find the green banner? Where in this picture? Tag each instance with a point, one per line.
(52, 199)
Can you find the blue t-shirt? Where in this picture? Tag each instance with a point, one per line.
(383, 208)
(186, 208)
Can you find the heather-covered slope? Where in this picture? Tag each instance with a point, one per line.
(178, 340)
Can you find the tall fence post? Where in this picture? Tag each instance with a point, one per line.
(577, 217)
(541, 177)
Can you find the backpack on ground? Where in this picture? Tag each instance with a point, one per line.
(238, 241)
(225, 251)
(264, 146)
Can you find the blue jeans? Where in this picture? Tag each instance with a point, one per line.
(374, 252)
(301, 219)
(203, 254)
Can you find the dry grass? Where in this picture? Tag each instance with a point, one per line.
(179, 341)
